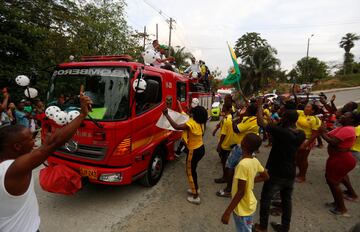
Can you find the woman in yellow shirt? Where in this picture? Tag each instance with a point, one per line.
(194, 128)
(310, 124)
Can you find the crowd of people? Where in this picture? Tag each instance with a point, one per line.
(197, 70)
(24, 112)
(292, 126)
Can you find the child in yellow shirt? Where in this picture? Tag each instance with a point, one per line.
(243, 203)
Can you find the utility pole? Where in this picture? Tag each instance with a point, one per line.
(157, 32)
(140, 35)
(170, 28)
(307, 58)
(144, 36)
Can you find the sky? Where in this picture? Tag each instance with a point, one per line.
(205, 26)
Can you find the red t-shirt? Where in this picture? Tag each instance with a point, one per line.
(346, 134)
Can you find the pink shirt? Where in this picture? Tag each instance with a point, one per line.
(346, 134)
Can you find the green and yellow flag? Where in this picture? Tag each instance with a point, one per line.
(234, 76)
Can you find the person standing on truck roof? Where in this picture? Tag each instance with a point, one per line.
(194, 67)
(159, 61)
(19, 206)
(194, 128)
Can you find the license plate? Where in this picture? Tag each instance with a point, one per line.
(91, 173)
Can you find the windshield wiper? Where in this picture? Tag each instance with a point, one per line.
(95, 122)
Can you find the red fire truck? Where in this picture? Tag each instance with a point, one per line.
(119, 142)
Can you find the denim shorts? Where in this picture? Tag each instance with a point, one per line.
(234, 157)
(243, 223)
(356, 154)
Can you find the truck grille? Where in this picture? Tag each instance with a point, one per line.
(85, 151)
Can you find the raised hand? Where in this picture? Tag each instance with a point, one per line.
(333, 98)
(85, 103)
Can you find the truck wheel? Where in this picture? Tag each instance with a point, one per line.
(155, 170)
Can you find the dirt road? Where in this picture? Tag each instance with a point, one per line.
(164, 208)
(168, 210)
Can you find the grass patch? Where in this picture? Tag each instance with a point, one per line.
(341, 81)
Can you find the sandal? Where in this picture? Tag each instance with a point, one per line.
(352, 199)
(338, 213)
(222, 193)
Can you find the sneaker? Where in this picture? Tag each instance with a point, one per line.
(193, 200)
(339, 213)
(190, 192)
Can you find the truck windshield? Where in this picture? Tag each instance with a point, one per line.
(108, 88)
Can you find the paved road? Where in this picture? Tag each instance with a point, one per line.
(344, 96)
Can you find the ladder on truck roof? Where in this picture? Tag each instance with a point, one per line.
(125, 58)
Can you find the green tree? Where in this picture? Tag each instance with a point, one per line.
(38, 34)
(308, 70)
(215, 79)
(347, 43)
(258, 62)
(292, 76)
(181, 57)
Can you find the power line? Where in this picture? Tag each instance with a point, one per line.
(159, 11)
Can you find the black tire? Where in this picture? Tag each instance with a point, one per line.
(155, 169)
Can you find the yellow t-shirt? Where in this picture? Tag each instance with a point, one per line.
(194, 134)
(247, 125)
(227, 130)
(221, 123)
(246, 170)
(307, 123)
(356, 146)
(267, 115)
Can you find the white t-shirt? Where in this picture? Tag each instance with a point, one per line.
(193, 68)
(17, 213)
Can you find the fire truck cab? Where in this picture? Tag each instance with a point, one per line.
(119, 142)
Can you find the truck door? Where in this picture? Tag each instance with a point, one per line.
(146, 112)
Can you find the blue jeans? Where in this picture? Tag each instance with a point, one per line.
(243, 223)
(234, 157)
(356, 154)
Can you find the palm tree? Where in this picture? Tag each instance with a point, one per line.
(347, 43)
(181, 56)
(258, 61)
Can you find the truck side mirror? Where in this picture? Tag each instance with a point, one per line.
(139, 85)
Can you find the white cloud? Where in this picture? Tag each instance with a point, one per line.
(203, 27)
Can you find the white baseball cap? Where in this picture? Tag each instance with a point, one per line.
(194, 102)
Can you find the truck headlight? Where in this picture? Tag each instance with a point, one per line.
(111, 177)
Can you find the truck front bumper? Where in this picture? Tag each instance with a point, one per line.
(98, 174)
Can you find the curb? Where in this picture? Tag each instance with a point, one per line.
(336, 90)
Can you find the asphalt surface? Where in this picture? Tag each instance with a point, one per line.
(128, 208)
(344, 96)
